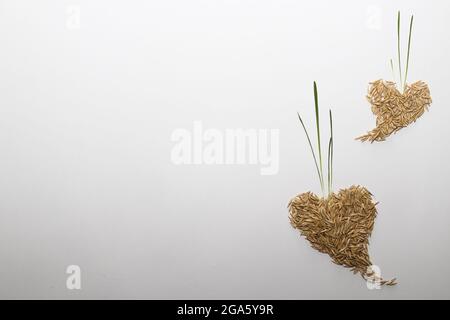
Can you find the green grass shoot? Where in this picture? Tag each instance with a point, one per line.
(409, 48)
(330, 157)
(330, 145)
(316, 108)
(398, 49)
(402, 78)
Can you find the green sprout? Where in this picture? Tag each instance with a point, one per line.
(398, 49)
(330, 145)
(330, 156)
(409, 48)
(402, 84)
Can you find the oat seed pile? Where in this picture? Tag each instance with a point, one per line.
(339, 225)
(393, 109)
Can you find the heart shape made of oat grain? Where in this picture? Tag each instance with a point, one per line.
(395, 110)
(339, 226)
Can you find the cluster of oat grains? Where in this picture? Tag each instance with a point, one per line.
(396, 105)
(339, 226)
(395, 110)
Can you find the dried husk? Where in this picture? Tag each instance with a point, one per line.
(393, 109)
(339, 226)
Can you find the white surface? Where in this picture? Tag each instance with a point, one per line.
(86, 117)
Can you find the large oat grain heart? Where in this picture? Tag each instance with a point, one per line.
(339, 226)
(395, 110)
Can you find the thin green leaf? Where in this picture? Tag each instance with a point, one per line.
(332, 170)
(310, 145)
(398, 50)
(330, 153)
(409, 47)
(392, 69)
(329, 165)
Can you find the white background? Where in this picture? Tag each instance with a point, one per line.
(86, 116)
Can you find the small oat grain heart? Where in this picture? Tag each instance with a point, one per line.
(393, 109)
